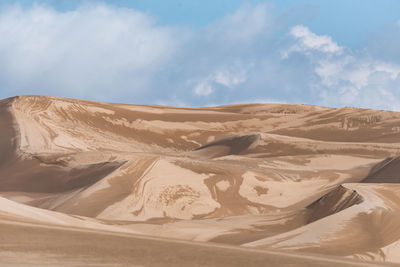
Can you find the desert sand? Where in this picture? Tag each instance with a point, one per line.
(90, 183)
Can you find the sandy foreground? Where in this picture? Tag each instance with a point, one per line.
(53, 246)
(100, 184)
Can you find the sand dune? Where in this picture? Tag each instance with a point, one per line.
(292, 178)
(363, 223)
(386, 171)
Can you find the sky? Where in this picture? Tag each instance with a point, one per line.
(194, 53)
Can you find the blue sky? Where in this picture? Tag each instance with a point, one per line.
(197, 53)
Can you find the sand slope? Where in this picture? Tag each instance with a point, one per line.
(364, 223)
(266, 176)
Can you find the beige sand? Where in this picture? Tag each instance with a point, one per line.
(294, 183)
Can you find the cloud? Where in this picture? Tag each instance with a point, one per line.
(94, 50)
(229, 79)
(106, 53)
(355, 71)
(214, 62)
(307, 41)
(242, 26)
(203, 88)
(339, 76)
(223, 77)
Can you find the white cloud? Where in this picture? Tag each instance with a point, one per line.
(341, 76)
(354, 72)
(229, 79)
(94, 50)
(222, 77)
(307, 41)
(362, 82)
(393, 70)
(203, 88)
